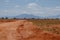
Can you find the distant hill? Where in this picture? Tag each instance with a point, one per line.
(27, 16)
(31, 16)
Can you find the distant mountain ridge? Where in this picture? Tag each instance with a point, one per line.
(31, 16)
(27, 16)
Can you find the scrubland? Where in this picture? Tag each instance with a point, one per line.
(29, 29)
(51, 25)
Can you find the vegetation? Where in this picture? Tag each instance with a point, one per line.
(43, 24)
(51, 25)
(45, 21)
(6, 18)
(14, 18)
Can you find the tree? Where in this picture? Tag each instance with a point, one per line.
(14, 18)
(24, 18)
(57, 18)
(33, 18)
(2, 18)
(6, 18)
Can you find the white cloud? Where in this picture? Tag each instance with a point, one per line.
(57, 6)
(32, 5)
(32, 8)
(43, 11)
(17, 6)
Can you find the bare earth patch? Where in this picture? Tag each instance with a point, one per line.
(25, 30)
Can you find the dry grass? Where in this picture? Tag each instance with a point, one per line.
(51, 25)
(7, 20)
(42, 29)
(45, 21)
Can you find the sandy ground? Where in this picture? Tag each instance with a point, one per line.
(24, 30)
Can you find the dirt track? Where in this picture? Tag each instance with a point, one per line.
(24, 30)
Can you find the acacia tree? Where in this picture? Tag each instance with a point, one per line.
(6, 18)
(24, 18)
(57, 18)
(14, 18)
(33, 18)
(2, 18)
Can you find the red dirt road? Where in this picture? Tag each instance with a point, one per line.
(24, 30)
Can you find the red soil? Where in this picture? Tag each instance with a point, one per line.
(24, 30)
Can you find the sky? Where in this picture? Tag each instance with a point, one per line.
(44, 8)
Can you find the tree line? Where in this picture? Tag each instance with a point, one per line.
(28, 18)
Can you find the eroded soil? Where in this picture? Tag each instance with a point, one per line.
(25, 30)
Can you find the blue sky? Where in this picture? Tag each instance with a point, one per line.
(43, 8)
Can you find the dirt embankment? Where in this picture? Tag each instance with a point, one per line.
(24, 30)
